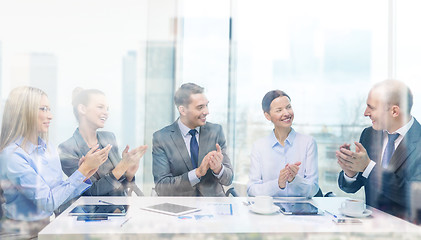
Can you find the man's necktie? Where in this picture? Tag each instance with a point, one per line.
(194, 148)
(389, 150)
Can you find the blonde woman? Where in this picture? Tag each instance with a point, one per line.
(116, 176)
(31, 174)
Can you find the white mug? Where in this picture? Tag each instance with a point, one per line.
(355, 206)
(263, 202)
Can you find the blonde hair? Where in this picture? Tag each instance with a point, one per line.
(82, 96)
(20, 116)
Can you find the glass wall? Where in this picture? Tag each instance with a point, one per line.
(408, 49)
(325, 55)
(58, 46)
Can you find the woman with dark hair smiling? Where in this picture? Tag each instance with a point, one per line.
(283, 164)
(116, 176)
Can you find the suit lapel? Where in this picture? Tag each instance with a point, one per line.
(80, 142)
(203, 143)
(178, 141)
(112, 155)
(406, 147)
(374, 149)
(82, 146)
(400, 155)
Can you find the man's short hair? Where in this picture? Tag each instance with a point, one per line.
(182, 95)
(394, 92)
(270, 96)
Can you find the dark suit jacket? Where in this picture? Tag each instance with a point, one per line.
(388, 189)
(103, 181)
(171, 162)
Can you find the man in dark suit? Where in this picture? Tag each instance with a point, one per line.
(189, 156)
(388, 157)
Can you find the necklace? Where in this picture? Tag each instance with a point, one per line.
(92, 145)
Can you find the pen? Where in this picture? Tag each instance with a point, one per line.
(331, 214)
(125, 221)
(106, 202)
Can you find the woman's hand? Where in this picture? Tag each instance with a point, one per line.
(129, 163)
(90, 163)
(292, 170)
(133, 157)
(282, 179)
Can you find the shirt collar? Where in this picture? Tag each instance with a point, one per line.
(404, 129)
(290, 139)
(184, 129)
(30, 147)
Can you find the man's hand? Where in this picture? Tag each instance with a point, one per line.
(353, 162)
(346, 146)
(215, 160)
(204, 166)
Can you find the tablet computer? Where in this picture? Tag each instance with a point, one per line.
(171, 209)
(297, 208)
(99, 209)
(89, 218)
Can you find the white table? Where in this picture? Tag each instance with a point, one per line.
(242, 224)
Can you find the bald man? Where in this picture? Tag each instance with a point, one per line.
(388, 156)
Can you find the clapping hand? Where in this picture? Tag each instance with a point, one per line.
(90, 163)
(133, 158)
(352, 162)
(288, 174)
(204, 166)
(215, 160)
(292, 170)
(283, 178)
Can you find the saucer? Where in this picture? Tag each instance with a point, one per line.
(291, 199)
(366, 213)
(273, 210)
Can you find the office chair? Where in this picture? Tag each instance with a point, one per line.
(415, 203)
(154, 193)
(133, 188)
(1, 203)
(231, 191)
(320, 194)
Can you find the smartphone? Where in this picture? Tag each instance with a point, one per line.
(88, 218)
(346, 221)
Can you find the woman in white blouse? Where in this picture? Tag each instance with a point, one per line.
(284, 163)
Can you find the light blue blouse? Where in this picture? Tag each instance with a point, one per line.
(268, 157)
(33, 183)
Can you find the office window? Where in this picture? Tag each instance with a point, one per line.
(57, 46)
(204, 53)
(408, 49)
(324, 56)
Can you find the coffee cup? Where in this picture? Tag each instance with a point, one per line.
(354, 206)
(263, 203)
